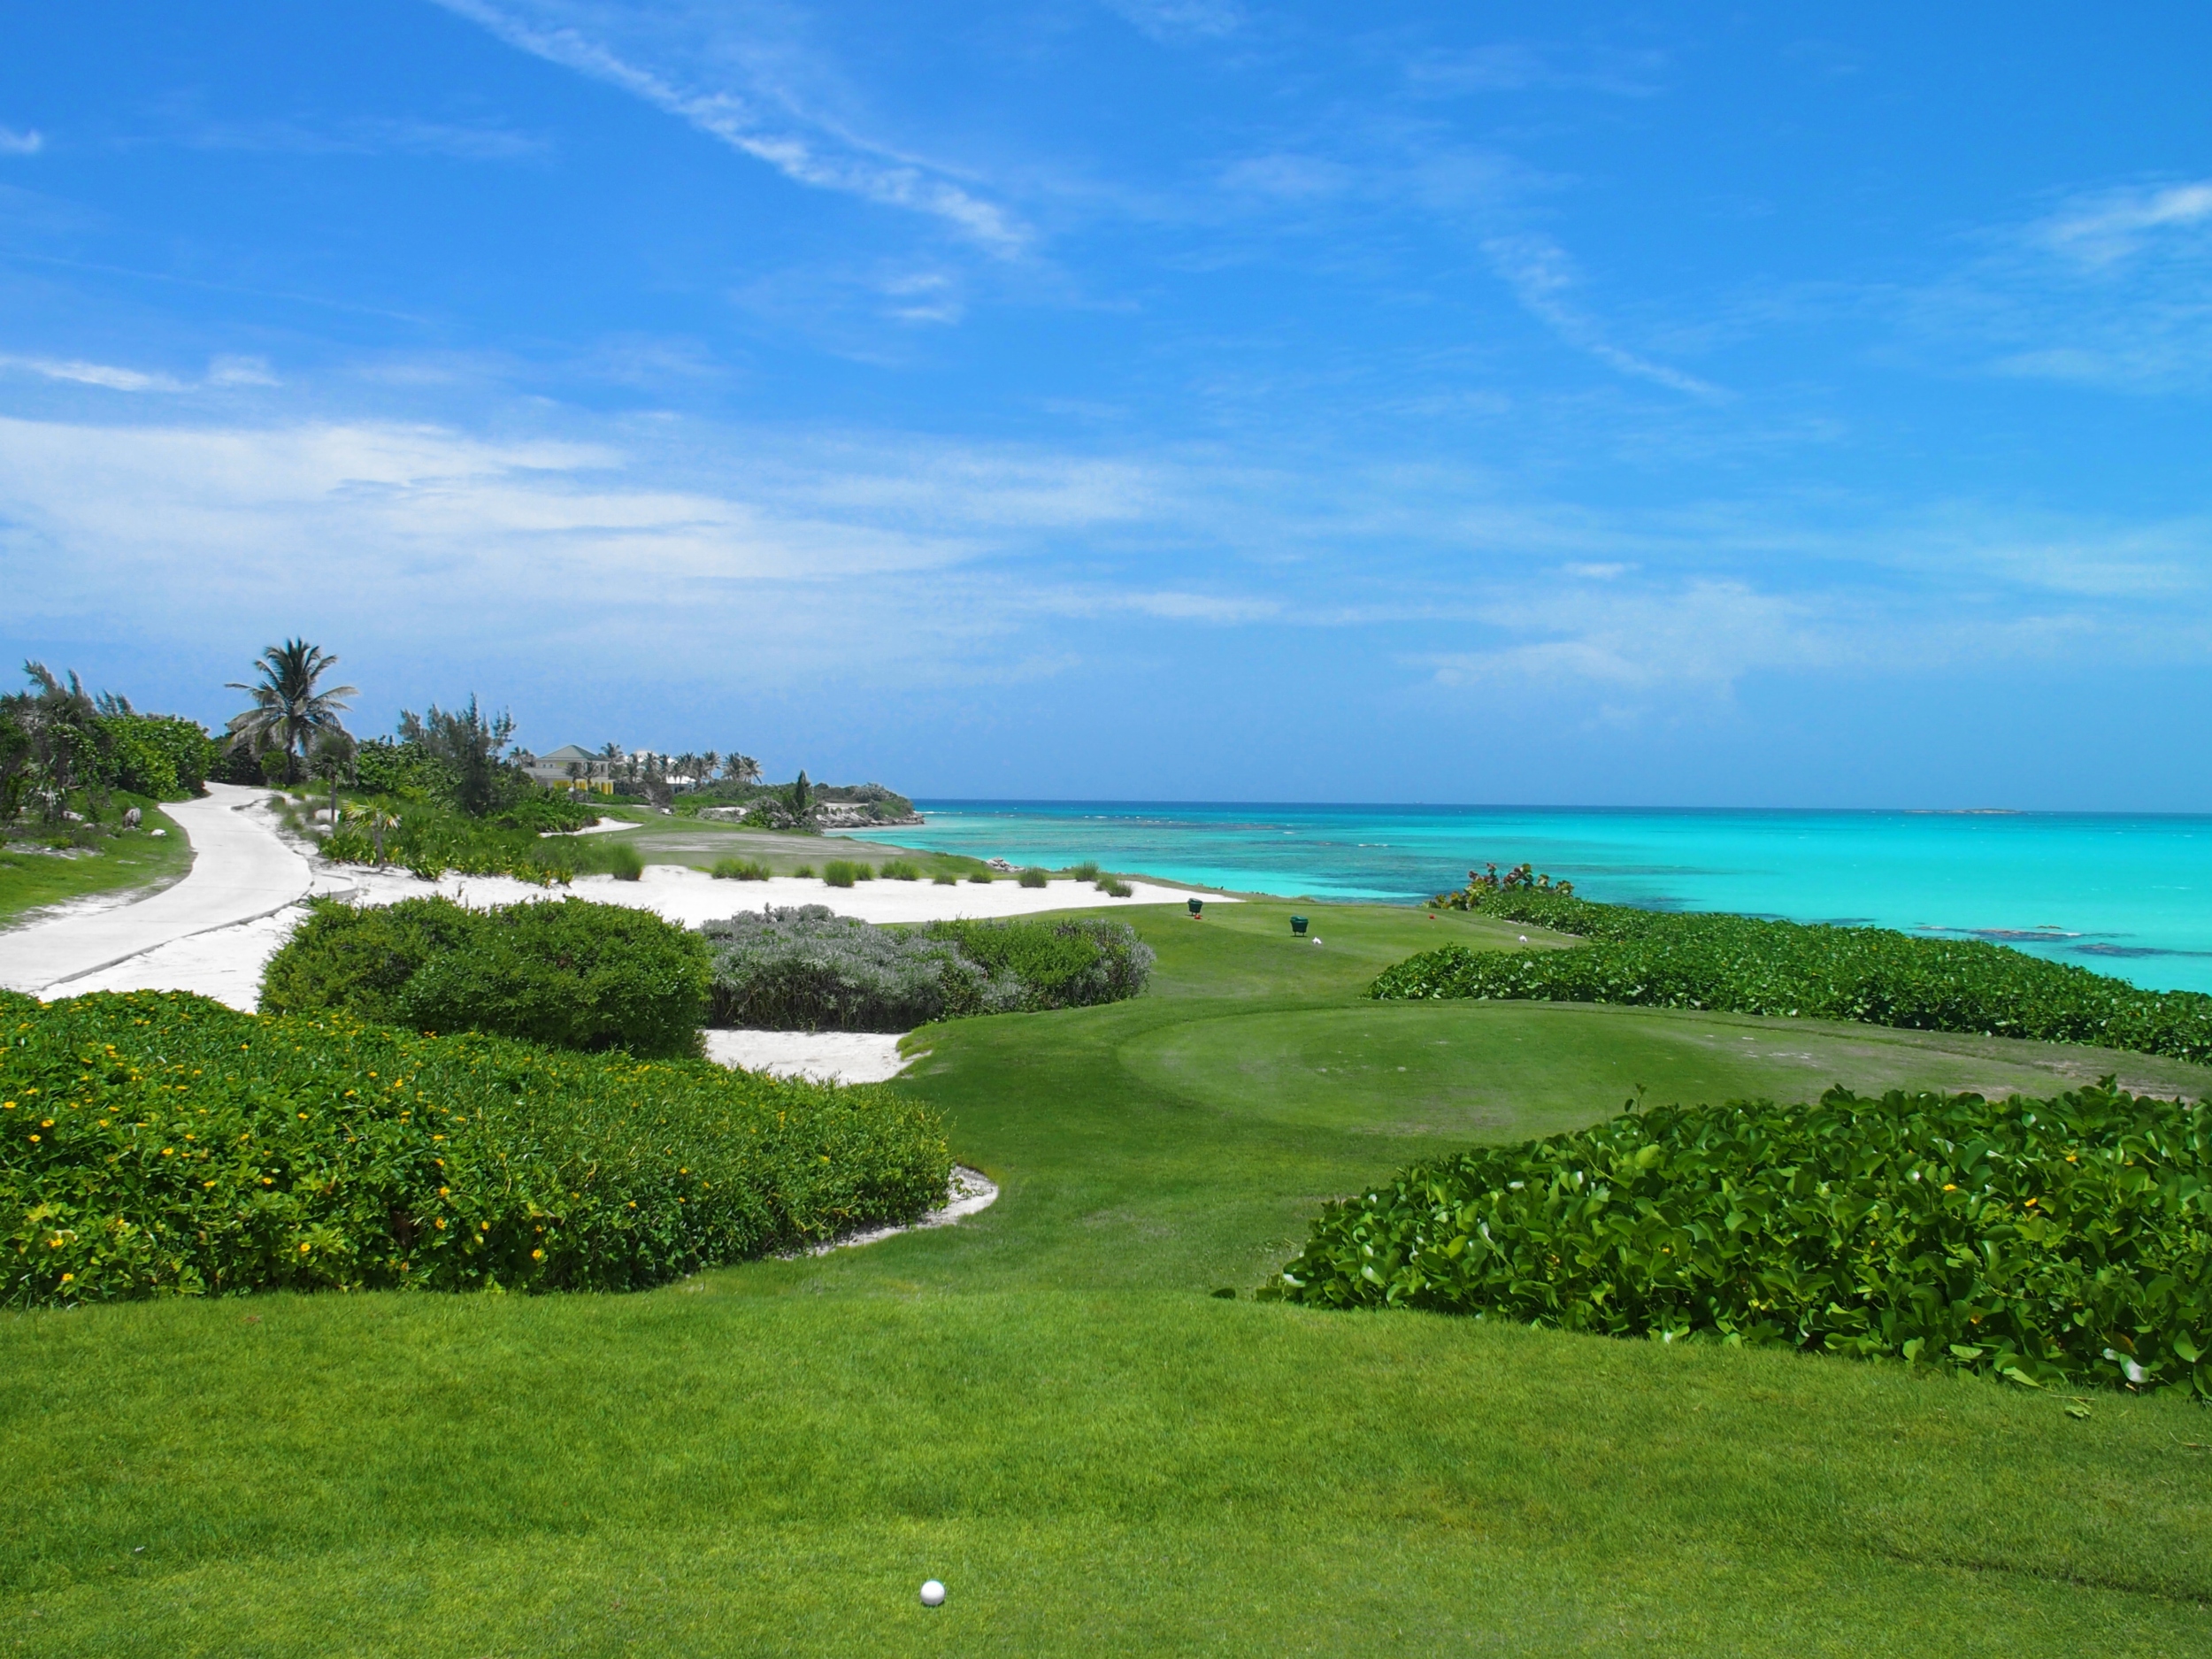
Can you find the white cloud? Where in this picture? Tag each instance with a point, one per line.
(825, 157)
(1541, 276)
(28, 143)
(2103, 230)
(106, 376)
(240, 372)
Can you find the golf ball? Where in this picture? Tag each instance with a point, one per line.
(932, 1594)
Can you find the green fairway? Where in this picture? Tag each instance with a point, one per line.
(33, 876)
(1046, 1408)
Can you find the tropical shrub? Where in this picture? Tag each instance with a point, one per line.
(550, 813)
(1115, 888)
(900, 869)
(568, 974)
(804, 968)
(1087, 871)
(945, 878)
(429, 841)
(404, 770)
(1034, 877)
(839, 872)
(1071, 961)
(2049, 1241)
(981, 878)
(740, 869)
(1870, 974)
(164, 758)
(163, 1144)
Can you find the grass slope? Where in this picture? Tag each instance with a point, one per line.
(30, 881)
(1043, 1408)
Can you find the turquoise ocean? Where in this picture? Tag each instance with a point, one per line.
(2125, 896)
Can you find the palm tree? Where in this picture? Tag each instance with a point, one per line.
(741, 769)
(290, 706)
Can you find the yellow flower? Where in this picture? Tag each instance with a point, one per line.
(66, 1277)
(168, 1152)
(1950, 1186)
(537, 1256)
(303, 1249)
(442, 1224)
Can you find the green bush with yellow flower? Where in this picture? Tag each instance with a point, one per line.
(159, 1143)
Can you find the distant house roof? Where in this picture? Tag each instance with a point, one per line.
(565, 753)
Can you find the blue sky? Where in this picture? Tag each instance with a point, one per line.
(1140, 398)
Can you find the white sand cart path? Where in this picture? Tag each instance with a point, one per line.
(242, 869)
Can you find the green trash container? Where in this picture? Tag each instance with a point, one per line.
(1196, 905)
(1298, 925)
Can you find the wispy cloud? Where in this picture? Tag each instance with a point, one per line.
(2111, 289)
(824, 158)
(1542, 277)
(1176, 20)
(80, 372)
(26, 142)
(2106, 229)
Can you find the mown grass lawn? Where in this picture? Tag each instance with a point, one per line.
(33, 876)
(1045, 1407)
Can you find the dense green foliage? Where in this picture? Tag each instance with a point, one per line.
(1061, 962)
(806, 968)
(62, 749)
(1870, 974)
(740, 870)
(164, 1144)
(2065, 1240)
(569, 973)
(551, 812)
(430, 840)
(163, 756)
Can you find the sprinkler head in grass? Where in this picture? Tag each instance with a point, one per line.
(932, 1593)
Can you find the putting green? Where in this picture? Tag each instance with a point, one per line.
(1492, 1071)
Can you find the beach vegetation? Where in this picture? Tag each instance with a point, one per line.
(211, 1152)
(1873, 975)
(2060, 1243)
(806, 968)
(840, 872)
(567, 973)
(617, 858)
(981, 878)
(900, 869)
(1033, 877)
(1115, 888)
(945, 878)
(740, 870)
(1087, 871)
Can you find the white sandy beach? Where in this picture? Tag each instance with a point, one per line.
(213, 932)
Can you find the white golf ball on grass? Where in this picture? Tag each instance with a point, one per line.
(932, 1594)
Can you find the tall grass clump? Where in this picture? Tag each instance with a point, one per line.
(981, 878)
(2048, 1242)
(945, 878)
(1870, 974)
(568, 974)
(840, 872)
(740, 869)
(161, 1144)
(806, 968)
(617, 858)
(900, 869)
(1034, 877)
(1087, 871)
